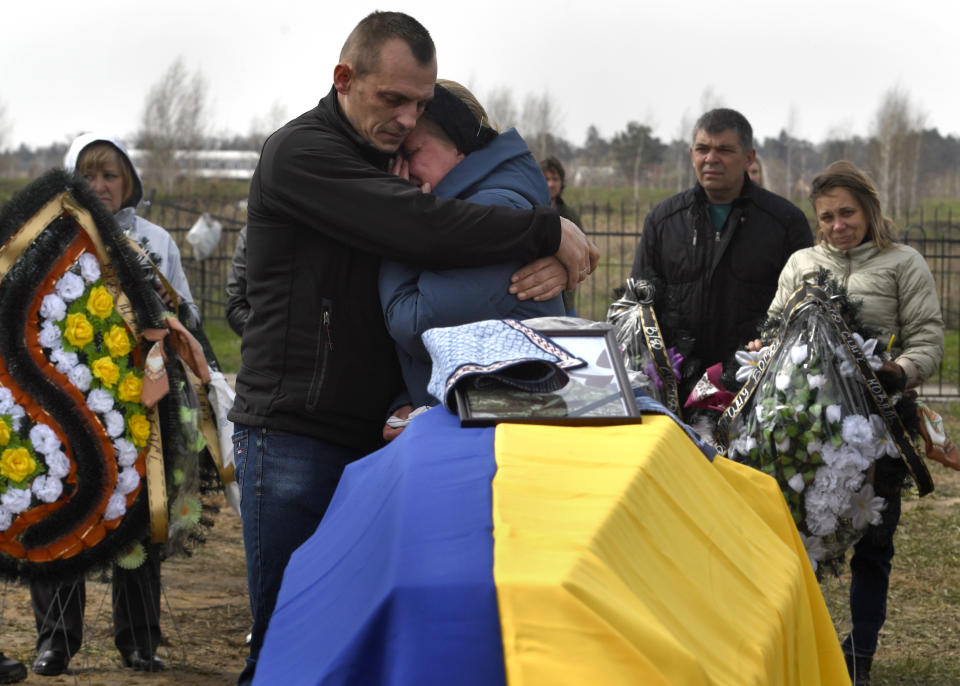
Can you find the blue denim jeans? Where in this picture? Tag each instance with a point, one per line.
(286, 482)
(870, 580)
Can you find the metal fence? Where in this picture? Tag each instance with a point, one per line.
(616, 231)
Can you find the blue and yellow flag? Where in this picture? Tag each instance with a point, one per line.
(544, 555)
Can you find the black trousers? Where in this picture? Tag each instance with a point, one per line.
(58, 609)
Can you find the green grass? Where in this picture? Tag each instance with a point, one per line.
(226, 345)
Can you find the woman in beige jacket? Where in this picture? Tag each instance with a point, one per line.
(899, 296)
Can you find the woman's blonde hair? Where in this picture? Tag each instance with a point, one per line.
(96, 156)
(846, 175)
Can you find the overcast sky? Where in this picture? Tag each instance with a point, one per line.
(813, 66)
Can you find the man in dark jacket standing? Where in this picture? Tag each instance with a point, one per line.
(319, 368)
(717, 248)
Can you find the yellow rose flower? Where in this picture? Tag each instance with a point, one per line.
(78, 329)
(4, 431)
(100, 302)
(117, 340)
(106, 370)
(139, 429)
(130, 388)
(16, 464)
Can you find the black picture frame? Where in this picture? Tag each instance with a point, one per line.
(598, 394)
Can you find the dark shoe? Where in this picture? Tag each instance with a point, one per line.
(859, 669)
(143, 662)
(11, 671)
(51, 663)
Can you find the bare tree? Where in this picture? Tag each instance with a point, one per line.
(897, 132)
(501, 107)
(681, 152)
(540, 122)
(174, 119)
(262, 127)
(709, 100)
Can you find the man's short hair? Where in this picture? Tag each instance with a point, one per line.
(724, 119)
(552, 164)
(363, 45)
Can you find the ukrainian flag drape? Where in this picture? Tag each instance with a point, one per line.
(544, 555)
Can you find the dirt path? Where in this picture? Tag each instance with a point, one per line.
(205, 618)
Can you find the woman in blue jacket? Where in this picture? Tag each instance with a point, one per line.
(454, 152)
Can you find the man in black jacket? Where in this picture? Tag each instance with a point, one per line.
(716, 250)
(319, 368)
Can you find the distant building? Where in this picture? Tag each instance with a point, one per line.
(594, 176)
(209, 164)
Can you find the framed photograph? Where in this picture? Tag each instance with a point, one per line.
(598, 393)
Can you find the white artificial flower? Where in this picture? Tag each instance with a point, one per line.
(761, 414)
(6, 519)
(814, 447)
(845, 459)
(856, 429)
(867, 346)
(820, 521)
(64, 361)
(885, 443)
(748, 443)
(16, 500)
(816, 380)
(70, 286)
(782, 381)
(100, 401)
(796, 482)
(81, 377)
(47, 488)
(6, 400)
(815, 548)
(44, 440)
(748, 363)
(89, 267)
(126, 452)
(783, 445)
(113, 421)
(798, 353)
(833, 413)
(53, 308)
(17, 413)
(58, 464)
(127, 480)
(865, 508)
(50, 336)
(116, 506)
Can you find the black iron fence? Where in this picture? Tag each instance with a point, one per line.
(616, 231)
